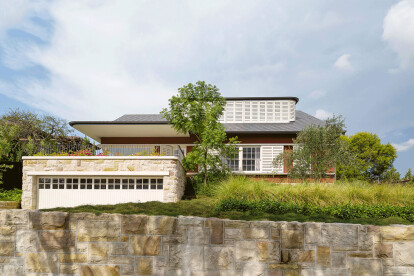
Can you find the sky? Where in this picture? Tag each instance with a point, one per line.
(100, 59)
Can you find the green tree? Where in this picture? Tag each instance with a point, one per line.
(196, 110)
(371, 158)
(409, 175)
(391, 175)
(25, 132)
(316, 151)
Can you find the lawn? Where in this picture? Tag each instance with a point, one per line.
(247, 199)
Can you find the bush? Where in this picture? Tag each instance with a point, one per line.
(10, 195)
(347, 211)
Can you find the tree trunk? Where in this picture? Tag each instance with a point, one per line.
(205, 168)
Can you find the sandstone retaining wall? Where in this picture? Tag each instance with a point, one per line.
(57, 243)
(72, 166)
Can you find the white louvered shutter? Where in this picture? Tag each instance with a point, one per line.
(269, 153)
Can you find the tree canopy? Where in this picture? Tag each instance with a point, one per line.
(316, 151)
(196, 110)
(23, 132)
(371, 158)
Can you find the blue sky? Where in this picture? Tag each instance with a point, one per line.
(97, 60)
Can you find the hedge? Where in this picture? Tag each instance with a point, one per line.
(348, 211)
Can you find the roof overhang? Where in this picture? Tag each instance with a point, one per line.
(97, 130)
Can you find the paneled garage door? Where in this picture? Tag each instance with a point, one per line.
(74, 191)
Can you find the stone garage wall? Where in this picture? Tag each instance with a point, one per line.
(42, 243)
(50, 166)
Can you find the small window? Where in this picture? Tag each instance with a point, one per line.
(97, 183)
(124, 184)
(110, 184)
(139, 184)
(83, 183)
(145, 182)
(61, 183)
(75, 184)
(160, 184)
(153, 184)
(131, 184)
(103, 184)
(117, 184)
(55, 183)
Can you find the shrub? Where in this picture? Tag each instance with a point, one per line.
(10, 195)
(347, 211)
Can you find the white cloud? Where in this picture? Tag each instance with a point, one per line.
(322, 114)
(399, 31)
(404, 146)
(343, 63)
(316, 94)
(107, 58)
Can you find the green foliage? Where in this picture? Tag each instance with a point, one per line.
(10, 195)
(24, 132)
(391, 175)
(4, 168)
(409, 176)
(9, 146)
(316, 151)
(347, 211)
(196, 110)
(371, 158)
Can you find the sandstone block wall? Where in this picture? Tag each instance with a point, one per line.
(174, 182)
(57, 243)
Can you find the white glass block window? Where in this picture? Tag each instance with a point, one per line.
(238, 117)
(255, 110)
(262, 114)
(247, 111)
(270, 111)
(229, 112)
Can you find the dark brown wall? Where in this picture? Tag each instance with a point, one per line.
(244, 138)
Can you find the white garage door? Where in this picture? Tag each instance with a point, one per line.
(74, 191)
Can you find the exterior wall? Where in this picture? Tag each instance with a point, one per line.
(72, 166)
(57, 243)
(286, 179)
(243, 137)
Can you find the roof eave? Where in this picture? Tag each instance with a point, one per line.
(73, 123)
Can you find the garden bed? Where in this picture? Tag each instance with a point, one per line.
(246, 199)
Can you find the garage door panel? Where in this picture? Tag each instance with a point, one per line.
(72, 191)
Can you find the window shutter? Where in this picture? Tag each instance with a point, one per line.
(269, 153)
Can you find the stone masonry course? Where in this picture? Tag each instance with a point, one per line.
(59, 243)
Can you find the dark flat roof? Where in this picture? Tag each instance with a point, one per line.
(261, 98)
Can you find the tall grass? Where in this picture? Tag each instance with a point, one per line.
(318, 194)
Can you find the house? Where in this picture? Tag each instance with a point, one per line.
(266, 127)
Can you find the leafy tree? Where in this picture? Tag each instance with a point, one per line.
(409, 175)
(37, 127)
(25, 132)
(196, 110)
(371, 158)
(391, 175)
(316, 151)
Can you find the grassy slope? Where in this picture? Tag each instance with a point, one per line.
(314, 194)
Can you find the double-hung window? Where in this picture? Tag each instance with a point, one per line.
(251, 159)
(247, 159)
